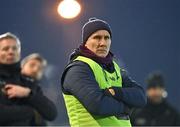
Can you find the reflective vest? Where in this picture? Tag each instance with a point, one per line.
(77, 113)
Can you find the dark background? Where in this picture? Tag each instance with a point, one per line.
(146, 37)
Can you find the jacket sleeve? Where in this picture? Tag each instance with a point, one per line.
(79, 81)
(131, 93)
(45, 107)
(14, 113)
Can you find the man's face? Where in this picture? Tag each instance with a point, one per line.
(155, 94)
(9, 52)
(99, 43)
(33, 68)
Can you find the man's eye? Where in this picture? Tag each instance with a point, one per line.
(97, 37)
(5, 49)
(14, 48)
(106, 37)
(32, 65)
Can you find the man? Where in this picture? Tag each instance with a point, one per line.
(19, 97)
(96, 91)
(33, 67)
(9, 57)
(157, 112)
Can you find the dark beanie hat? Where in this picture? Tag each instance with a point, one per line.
(92, 26)
(155, 79)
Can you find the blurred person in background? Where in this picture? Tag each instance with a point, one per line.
(19, 96)
(12, 113)
(157, 112)
(33, 67)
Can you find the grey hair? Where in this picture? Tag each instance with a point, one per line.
(36, 56)
(9, 35)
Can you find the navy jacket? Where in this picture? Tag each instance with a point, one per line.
(162, 114)
(20, 111)
(78, 80)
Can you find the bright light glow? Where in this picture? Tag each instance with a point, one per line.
(69, 8)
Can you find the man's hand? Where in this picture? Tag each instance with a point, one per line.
(112, 91)
(109, 92)
(15, 91)
(115, 92)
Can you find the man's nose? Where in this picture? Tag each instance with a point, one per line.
(103, 42)
(33, 72)
(11, 51)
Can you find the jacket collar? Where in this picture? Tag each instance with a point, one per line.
(11, 69)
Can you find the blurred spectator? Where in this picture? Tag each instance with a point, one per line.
(33, 66)
(157, 112)
(10, 112)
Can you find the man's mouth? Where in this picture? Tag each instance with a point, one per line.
(102, 50)
(10, 58)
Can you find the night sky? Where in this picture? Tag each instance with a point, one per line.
(146, 37)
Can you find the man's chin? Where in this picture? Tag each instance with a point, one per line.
(102, 55)
(10, 62)
(156, 100)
